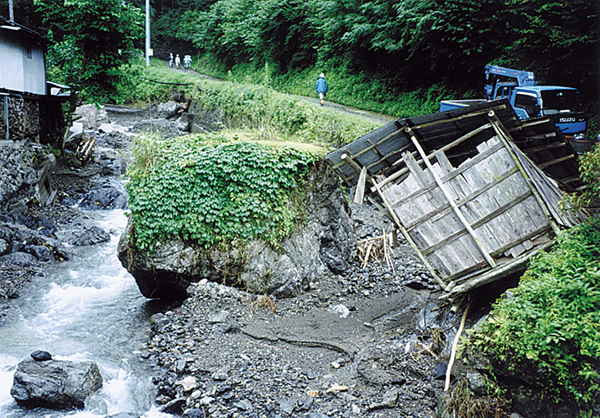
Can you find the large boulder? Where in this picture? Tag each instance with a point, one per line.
(324, 242)
(24, 167)
(105, 194)
(57, 384)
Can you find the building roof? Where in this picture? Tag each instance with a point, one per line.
(8, 25)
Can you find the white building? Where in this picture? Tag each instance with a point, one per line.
(22, 67)
(30, 106)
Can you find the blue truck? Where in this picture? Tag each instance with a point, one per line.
(530, 100)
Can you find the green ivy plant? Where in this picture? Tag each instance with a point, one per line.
(210, 190)
(553, 320)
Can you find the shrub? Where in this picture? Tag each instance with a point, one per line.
(209, 190)
(553, 320)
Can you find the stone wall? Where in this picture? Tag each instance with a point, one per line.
(23, 119)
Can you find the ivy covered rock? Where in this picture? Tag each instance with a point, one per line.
(267, 218)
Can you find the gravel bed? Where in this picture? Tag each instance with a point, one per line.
(347, 347)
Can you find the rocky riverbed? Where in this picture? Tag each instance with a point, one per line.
(357, 344)
(372, 341)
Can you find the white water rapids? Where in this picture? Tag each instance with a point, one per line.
(86, 308)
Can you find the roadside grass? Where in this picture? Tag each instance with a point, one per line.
(259, 109)
(346, 88)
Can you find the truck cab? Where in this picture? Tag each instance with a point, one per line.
(560, 104)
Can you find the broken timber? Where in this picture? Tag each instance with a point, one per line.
(474, 191)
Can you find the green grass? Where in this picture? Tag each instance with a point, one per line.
(345, 88)
(266, 113)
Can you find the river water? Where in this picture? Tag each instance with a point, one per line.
(86, 308)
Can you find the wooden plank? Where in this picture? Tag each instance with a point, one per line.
(502, 134)
(477, 179)
(459, 189)
(360, 186)
(492, 275)
(442, 149)
(456, 210)
(428, 234)
(556, 161)
(529, 236)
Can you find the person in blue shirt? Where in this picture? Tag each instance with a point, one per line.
(321, 87)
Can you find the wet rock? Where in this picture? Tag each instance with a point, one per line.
(91, 236)
(162, 127)
(91, 116)
(105, 195)
(41, 252)
(20, 258)
(194, 413)
(57, 384)
(43, 226)
(3, 246)
(174, 407)
(167, 110)
(477, 383)
(40, 355)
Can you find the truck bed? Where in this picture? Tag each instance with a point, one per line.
(457, 104)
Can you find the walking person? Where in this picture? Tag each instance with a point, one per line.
(177, 61)
(321, 87)
(171, 60)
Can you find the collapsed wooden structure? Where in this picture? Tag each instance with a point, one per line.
(475, 191)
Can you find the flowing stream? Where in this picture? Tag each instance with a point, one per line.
(86, 308)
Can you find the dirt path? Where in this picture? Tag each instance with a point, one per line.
(371, 116)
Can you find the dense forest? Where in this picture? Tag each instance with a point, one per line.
(396, 46)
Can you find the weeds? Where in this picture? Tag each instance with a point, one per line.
(264, 301)
(463, 403)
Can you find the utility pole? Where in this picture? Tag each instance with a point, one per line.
(11, 11)
(147, 32)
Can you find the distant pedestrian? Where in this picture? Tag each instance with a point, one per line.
(321, 88)
(177, 61)
(187, 62)
(171, 60)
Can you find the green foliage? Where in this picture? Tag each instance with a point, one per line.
(94, 39)
(346, 88)
(390, 48)
(274, 114)
(589, 170)
(553, 320)
(209, 190)
(152, 84)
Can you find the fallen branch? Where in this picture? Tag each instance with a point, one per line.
(376, 248)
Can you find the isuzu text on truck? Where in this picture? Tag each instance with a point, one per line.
(530, 100)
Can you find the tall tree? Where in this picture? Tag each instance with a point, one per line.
(93, 40)
(559, 41)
